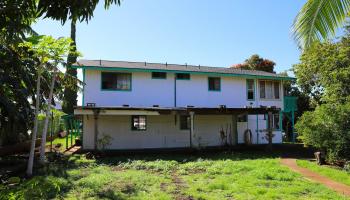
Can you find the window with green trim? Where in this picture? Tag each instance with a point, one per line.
(115, 81)
(269, 89)
(214, 83)
(159, 75)
(183, 76)
(250, 89)
(138, 122)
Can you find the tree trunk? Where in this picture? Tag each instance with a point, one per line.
(70, 94)
(29, 171)
(48, 110)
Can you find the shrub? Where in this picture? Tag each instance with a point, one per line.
(327, 128)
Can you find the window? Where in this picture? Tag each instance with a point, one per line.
(214, 83)
(242, 118)
(159, 75)
(185, 122)
(275, 121)
(116, 81)
(183, 76)
(138, 123)
(269, 89)
(250, 89)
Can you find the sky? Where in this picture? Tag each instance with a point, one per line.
(199, 32)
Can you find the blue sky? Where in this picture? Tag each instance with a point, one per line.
(205, 32)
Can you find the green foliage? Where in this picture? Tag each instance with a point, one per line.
(318, 19)
(255, 62)
(327, 128)
(324, 71)
(336, 174)
(58, 123)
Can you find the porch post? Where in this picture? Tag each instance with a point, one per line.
(257, 129)
(96, 113)
(192, 127)
(269, 129)
(293, 134)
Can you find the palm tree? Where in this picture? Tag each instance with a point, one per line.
(319, 19)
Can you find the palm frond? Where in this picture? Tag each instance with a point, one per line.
(319, 19)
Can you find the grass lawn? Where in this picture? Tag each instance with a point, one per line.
(330, 172)
(210, 176)
(61, 141)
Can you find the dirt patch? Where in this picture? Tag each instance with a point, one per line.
(179, 185)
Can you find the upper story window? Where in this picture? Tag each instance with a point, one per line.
(159, 75)
(115, 81)
(183, 76)
(138, 123)
(214, 83)
(269, 89)
(250, 89)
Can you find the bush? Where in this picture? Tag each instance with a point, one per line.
(327, 128)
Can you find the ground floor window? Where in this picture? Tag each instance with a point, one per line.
(138, 122)
(185, 122)
(275, 121)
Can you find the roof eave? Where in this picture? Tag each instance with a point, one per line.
(180, 71)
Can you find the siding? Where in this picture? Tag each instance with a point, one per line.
(163, 132)
(147, 92)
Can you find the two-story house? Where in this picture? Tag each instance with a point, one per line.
(142, 105)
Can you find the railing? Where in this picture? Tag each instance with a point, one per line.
(73, 129)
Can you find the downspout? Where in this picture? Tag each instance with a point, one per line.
(96, 113)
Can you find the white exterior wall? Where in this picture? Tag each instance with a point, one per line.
(162, 132)
(147, 92)
(260, 136)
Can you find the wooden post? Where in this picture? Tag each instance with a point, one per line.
(96, 113)
(293, 134)
(192, 127)
(269, 129)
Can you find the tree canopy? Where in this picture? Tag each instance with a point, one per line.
(255, 62)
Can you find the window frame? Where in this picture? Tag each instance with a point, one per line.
(214, 90)
(125, 90)
(274, 116)
(273, 82)
(247, 93)
(177, 78)
(133, 128)
(188, 122)
(165, 77)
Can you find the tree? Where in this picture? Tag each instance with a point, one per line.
(255, 62)
(50, 53)
(75, 11)
(323, 73)
(318, 19)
